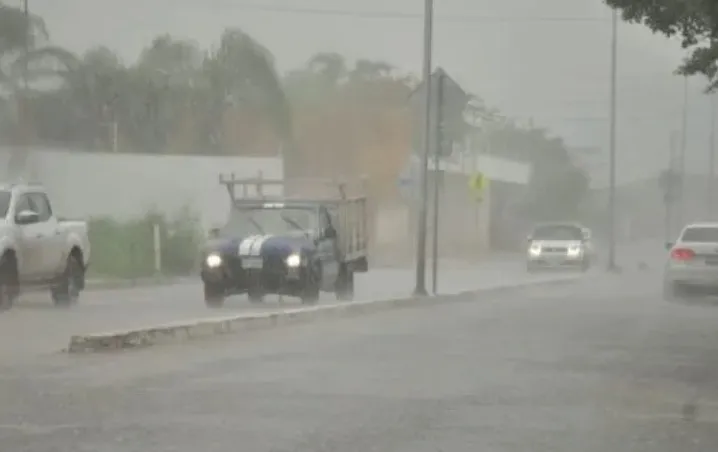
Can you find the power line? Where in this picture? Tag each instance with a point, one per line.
(367, 14)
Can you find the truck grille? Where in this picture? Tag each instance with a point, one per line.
(274, 264)
(555, 249)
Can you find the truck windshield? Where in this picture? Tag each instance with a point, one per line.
(5, 197)
(276, 221)
(557, 232)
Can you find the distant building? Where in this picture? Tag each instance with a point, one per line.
(642, 212)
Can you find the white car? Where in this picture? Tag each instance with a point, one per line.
(559, 245)
(37, 250)
(692, 263)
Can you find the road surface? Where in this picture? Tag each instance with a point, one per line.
(35, 326)
(599, 365)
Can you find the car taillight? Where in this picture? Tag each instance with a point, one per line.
(682, 254)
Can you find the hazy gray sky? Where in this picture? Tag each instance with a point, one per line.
(544, 59)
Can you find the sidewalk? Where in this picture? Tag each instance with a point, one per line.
(453, 276)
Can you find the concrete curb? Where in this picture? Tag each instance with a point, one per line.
(129, 283)
(188, 330)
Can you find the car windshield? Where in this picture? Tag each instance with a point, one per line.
(700, 235)
(261, 220)
(5, 197)
(557, 232)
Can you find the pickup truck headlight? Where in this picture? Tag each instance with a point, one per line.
(294, 260)
(535, 249)
(213, 260)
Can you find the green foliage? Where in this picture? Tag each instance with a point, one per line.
(694, 22)
(126, 249)
(173, 87)
(557, 187)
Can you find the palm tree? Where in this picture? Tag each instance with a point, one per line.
(25, 59)
(240, 73)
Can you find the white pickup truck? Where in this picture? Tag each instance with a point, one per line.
(38, 250)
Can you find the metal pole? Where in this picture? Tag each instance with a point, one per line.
(711, 161)
(438, 138)
(612, 144)
(682, 156)
(26, 10)
(669, 195)
(26, 53)
(420, 288)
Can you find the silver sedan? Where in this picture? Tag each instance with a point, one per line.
(692, 263)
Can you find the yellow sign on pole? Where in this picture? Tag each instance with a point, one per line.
(478, 183)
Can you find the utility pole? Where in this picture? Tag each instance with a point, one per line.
(420, 288)
(24, 102)
(612, 148)
(26, 10)
(670, 186)
(710, 207)
(438, 179)
(682, 156)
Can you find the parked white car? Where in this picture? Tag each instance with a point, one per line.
(559, 245)
(692, 262)
(37, 250)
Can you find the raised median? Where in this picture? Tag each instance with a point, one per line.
(217, 326)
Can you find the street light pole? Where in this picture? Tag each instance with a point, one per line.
(682, 156)
(26, 53)
(26, 11)
(612, 148)
(420, 288)
(711, 161)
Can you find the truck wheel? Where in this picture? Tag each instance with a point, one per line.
(345, 284)
(310, 293)
(213, 295)
(255, 296)
(67, 291)
(9, 285)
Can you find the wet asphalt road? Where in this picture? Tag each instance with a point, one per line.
(598, 365)
(34, 326)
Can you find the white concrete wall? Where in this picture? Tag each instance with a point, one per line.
(123, 186)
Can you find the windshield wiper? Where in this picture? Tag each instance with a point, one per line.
(256, 224)
(294, 224)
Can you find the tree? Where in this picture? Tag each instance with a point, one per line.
(694, 22)
(26, 59)
(557, 187)
(239, 76)
(175, 98)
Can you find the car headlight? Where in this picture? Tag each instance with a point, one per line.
(294, 260)
(213, 260)
(535, 250)
(574, 251)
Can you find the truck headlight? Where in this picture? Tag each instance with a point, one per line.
(535, 250)
(294, 260)
(574, 251)
(213, 260)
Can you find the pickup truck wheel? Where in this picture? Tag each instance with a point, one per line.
(310, 293)
(9, 287)
(67, 291)
(255, 296)
(213, 295)
(345, 284)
